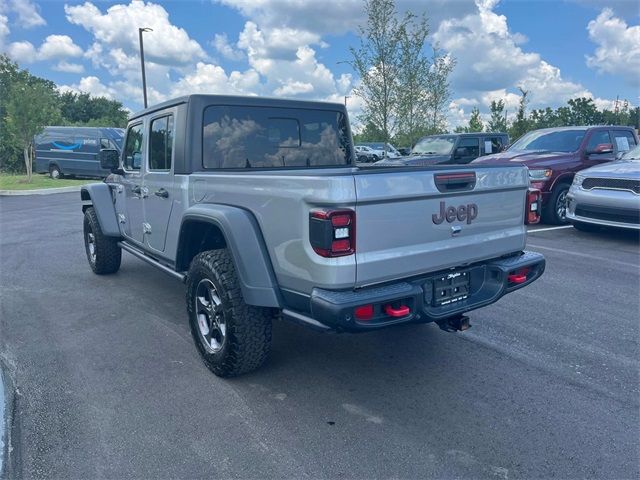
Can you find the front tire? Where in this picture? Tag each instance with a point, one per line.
(556, 210)
(232, 337)
(103, 253)
(55, 173)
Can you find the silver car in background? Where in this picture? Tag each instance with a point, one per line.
(607, 195)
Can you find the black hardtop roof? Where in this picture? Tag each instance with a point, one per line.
(240, 100)
(465, 134)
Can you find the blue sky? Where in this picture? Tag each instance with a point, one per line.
(292, 48)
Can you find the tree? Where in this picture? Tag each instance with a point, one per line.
(405, 93)
(498, 121)
(378, 63)
(370, 133)
(413, 100)
(521, 124)
(31, 106)
(475, 122)
(439, 91)
(82, 109)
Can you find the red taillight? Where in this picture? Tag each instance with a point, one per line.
(364, 312)
(532, 205)
(332, 233)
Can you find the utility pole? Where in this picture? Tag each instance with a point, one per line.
(144, 77)
(345, 99)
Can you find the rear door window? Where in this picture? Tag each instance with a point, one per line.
(623, 140)
(492, 145)
(236, 137)
(471, 146)
(161, 143)
(133, 148)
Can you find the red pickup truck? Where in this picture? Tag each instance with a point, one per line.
(554, 155)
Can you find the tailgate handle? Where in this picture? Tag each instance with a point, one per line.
(455, 182)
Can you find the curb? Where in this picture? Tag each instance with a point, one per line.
(7, 423)
(42, 191)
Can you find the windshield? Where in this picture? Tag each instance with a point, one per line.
(434, 146)
(558, 141)
(633, 154)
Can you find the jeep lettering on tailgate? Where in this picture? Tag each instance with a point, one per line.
(464, 212)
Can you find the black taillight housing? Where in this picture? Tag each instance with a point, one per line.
(332, 233)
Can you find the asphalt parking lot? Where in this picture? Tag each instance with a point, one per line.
(110, 385)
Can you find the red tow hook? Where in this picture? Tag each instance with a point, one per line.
(401, 311)
(517, 278)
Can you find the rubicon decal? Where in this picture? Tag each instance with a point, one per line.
(464, 212)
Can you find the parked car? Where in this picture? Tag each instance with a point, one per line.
(452, 149)
(74, 150)
(365, 154)
(263, 226)
(607, 195)
(381, 151)
(554, 155)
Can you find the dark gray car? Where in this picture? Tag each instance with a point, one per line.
(452, 149)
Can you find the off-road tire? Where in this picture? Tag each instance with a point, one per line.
(107, 254)
(247, 340)
(585, 227)
(55, 172)
(550, 214)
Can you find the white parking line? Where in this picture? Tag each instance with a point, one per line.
(550, 228)
(584, 255)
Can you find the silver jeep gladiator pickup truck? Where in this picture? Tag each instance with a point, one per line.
(258, 206)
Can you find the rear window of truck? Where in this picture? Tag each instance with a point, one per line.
(235, 137)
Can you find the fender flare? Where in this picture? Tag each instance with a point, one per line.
(566, 178)
(99, 196)
(244, 239)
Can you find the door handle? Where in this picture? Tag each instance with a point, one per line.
(161, 193)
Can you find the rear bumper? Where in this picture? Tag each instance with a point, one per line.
(488, 282)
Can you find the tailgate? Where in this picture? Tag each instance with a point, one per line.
(415, 221)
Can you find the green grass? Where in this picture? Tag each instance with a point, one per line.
(19, 182)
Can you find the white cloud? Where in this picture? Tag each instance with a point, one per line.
(618, 51)
(336, 17)
(67, 67)
(222, 45)
(91, 85)
(22, 52)
(293, 88)
(118, 29)
(27, 12)
(207, 78)
(58, 46)
(54, 47)
(490, 59)
(4, 29)
(284, 57)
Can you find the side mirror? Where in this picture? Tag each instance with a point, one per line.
(109, 159)
(602, 148)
